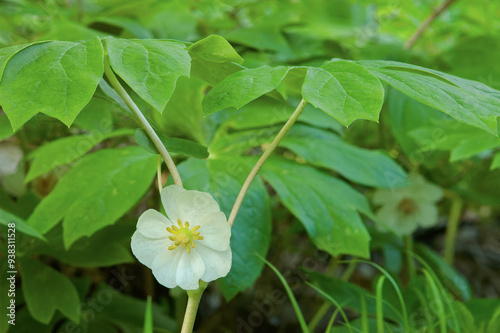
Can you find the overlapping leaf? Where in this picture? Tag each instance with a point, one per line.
(150, 67)
(327, 207)
(344, 90)
(96, 192)
(468, 101)
(55, 78)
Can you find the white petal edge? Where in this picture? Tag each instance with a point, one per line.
(169, 198)
(215, 230)
(190, 270)
(146, 249)
(153, 224)
(217, 263)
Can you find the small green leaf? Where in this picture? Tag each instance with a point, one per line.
(65, 150)
(6, 218)
(55, 78)
(468, 101)
(173, 145)
(243, 87)
(251, 232)
(327, 207)
(328, 150)
(214, 49)
(46, 290)
(344, 90)
(150, 67)
(96, 192)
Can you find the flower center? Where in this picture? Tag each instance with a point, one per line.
(184, 236)
(407, 206)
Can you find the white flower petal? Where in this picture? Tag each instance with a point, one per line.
(169, 198)
(427, 215)
(10, 156)
(191, 269)
(153, 225)
(166, 265)
(217, 263)
(146, 249)
(215, 230)
(191, 205)
(395, 221)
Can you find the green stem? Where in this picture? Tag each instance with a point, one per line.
(143, 122)
(408, 241)
(263, 158)
(319, 315)
(194, 297)
(451, 230)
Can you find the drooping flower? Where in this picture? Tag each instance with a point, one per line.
(405, 209)
(190, 244)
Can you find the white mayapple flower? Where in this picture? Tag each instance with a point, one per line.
(192, 244)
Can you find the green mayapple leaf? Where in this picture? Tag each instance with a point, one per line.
(6, 218)
(214, 49)
(327, 207)
(468, 101)
(243, 87)
(98, 190)
(57, 293)
(55, 78)
(213, 59)
(328, 150)
(344, 90)
(173, 145)
(65, 150)
(150, 67)
(251, 232)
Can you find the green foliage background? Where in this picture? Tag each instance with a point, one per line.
(227, 75)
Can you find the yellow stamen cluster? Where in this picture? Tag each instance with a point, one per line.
(184, 236)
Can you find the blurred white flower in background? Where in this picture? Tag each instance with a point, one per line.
(10, 156)
(191, 244)
(405, 209)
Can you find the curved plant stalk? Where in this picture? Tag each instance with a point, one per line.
(113, 80)
(262, 160)
(194, 297)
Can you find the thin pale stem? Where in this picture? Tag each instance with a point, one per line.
(143, 122)
(451, 230)
(437, 11)
(194, 297)
(158, 174)
(263, 158)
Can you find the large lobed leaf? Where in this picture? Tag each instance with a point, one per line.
(96, 192)
(344, 90)
(468, 101)
(327, 207)
(150, 67)
(243, 87)
(55, 78)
